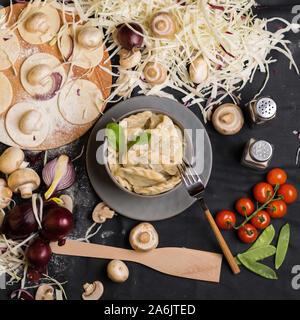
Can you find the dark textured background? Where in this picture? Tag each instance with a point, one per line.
(229, 181)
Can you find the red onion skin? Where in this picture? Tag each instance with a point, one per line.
(38, 254)
(57, 223)
(127, 38)
(24, 295)
(57, 81)
(20, 222)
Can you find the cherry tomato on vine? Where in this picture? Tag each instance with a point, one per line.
(261, 220)
(244, 206)
(288, 192)
(277, 209)
(225, 219)
(247, 233)
(276, 176)
(263, 192)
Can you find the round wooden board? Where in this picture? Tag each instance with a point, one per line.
(61, 132)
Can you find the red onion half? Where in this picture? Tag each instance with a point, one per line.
(24, 294)
(38, 254)
(129, 39)
(57, 81)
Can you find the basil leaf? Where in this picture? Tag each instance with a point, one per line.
(142, 138)
(116, 137)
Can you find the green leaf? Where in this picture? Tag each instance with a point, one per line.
(282, 245)
(142, 138)
(116, 137)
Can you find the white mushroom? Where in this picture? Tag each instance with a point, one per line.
(67, 202)
(24, 181)
(5, 194)
(11, 160)
(102, 212)
(117, 271)
(143, 237)
(155, 73)
(228, 119)
(39, 75)
(198, 70)
(89, 37)
(163, 25)
(93, 291)
(37, 22)
(44, 292)
(129, 58)
(31, 121)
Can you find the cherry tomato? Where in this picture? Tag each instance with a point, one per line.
(261, 220)
(277, 209)
(225, 219)
(244, 206)
(262, 192)
(288, 192)
(247, 233)
(276, 176)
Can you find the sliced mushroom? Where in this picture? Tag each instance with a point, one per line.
(39, 75)
(37, 22)
(163, 25)
(102, 212)
(11, 160)
(5, 194)
(155, 73)
(93, 291)
(67, 202)
(30, 122)
(44, 292)
(117, 271)
(129, 58)
(228, 119)
(89, 37)
(198, 70)
(24, 181)
(143, 237)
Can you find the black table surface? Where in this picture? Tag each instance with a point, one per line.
(229, 181)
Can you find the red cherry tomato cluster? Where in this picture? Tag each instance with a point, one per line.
(272, 196)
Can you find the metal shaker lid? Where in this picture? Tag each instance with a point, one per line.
(266, 108)
(261, 150)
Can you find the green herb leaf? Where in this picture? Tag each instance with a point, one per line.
(142, 138)
(116, 137)
(282, 245)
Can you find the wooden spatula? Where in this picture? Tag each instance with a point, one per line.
(179, 262)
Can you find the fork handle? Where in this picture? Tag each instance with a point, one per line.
(227, 253)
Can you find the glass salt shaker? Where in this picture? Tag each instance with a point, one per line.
(262, 110)
(257, 154)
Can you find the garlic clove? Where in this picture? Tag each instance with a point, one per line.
(198, 70)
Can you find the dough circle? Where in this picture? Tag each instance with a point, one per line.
(12, 122)
(9, 49)
(53, 19)
(81, 57)
(80, 102)
(6, 93)
(35, 60)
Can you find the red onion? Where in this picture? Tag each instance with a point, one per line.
(57, 222)
(38, 254)
(24, 294)
(129, 39)
(57, 81)
(71, 50)
(213, 6)
(231, 55)
(20, 222)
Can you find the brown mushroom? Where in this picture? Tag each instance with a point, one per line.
(37, 22)
(228, 119)
(198, 70)
(163, 25)
(89, 37)
(67, 202)
(5, 194)
(155, 73)
(102, 212)
(11, 160)
(117, 271)
(44, 292)
(93, 291)
(24, 181)
(143, 237)
(129, 58)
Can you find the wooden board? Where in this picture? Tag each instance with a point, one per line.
(61, 132)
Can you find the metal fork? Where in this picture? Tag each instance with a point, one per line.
(196, 189)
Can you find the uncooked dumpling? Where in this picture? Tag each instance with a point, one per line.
(80, 102)
(6, 93)
(36, 73)
(87, 42)
(9, 49)
(39, 23)
(27, 124)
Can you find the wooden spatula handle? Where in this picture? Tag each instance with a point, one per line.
(227, 253)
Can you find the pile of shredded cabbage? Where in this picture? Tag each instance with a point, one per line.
(232, 40)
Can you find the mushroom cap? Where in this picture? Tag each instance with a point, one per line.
(228, 119)
(143, 237)
(129, 58)
(155, 73)
(102, 212)
(117, 271)
(5, 194)
(163, 25)
(44, 292)
(198, 70)
(37, 22)
(24, 181)
(93, 291)
(31, 121)
(11, 160)
(39, 74)
(89, 37)
(67, 202)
